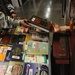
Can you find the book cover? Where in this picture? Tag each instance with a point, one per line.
(16, 52)
(40, 23)
(39, 37)
(3, 51)
(5, 39)
(8, 56)
(35, 59)
(35, 69)
(15, 68)
(35, 47)
(20, 30)
(3, 67)
(17, 39)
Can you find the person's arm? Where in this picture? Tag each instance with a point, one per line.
(16, 22)
(57, 28)
(10, 9)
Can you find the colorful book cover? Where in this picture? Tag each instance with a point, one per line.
(40, 23)
(15, 68)
(5, 39)
(16, 52)
(3, 51)
(35, 69)
(3, 67)
(17, 39)
(35, 47)
(8, 56)
(20, 30)
(39, 37)
(35, 59)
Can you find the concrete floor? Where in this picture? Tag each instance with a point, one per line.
(47, 9)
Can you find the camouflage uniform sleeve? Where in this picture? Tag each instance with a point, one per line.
(12, 21)
(9, 6)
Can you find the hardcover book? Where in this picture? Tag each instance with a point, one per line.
(35, 69)
(3, 51)
(15, 68)
(17, 39)
(8, 56)
(35, 59)
(3, 67)
(5, 39)
(35, 47)
(40, 23)
(16, 52)
(20, 30)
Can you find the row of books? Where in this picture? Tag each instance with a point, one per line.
(16, 52)
(20, 68)
(13, 39)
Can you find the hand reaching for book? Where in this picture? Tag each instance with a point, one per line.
(55, 27)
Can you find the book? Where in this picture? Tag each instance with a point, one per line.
(17, 39)
(3, 67)
(15, 68)
(39, 37)
(40, 23)
(8, 56)
(20, 30)
(35, 59)
(16, 52)
(35, 69)
(35, 47)
(3, 51)
(5, 39)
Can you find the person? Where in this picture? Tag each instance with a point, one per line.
(8, 16)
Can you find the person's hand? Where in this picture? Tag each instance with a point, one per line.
(14, 15)
(25, 24)
(56, 27)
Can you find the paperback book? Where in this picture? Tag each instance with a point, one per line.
(35, 59)
(20, 30)
(16, 52)
(5, 39)
(3, 51)
(35, 47)
(15, 68)
(8, 56)
(3, 67)
(17, 39)
(35, 69)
